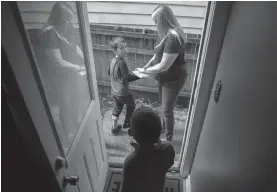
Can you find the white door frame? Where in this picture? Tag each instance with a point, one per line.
(217, 16)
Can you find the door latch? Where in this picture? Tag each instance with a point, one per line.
(217, 91)
(71, 180)
(60, 163)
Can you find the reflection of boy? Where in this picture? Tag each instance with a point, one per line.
(145, 168)
(120, 79)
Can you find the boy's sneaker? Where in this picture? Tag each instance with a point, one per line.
(116, 130)
(126, 125)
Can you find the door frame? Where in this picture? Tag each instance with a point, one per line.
(17, 46)
(23, 104)
(217, 16)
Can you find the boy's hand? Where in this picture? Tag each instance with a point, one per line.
(134, 144)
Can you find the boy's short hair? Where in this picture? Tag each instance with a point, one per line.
(146, 126)
(116, 42)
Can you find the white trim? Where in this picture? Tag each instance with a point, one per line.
(188, 187)
(197, 78)
(217, 22)
(84, 24)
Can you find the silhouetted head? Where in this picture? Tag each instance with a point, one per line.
(146, 126)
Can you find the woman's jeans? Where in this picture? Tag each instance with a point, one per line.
(169, 92)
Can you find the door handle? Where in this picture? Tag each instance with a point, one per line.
(71, 180)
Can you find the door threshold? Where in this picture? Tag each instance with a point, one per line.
(117, 163)
(170, 175)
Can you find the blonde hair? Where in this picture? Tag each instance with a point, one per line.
(167, 23)
(60, 13)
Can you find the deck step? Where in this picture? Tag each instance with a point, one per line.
(118, 147)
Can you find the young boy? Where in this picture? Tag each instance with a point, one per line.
(120, 79)
(145, 168)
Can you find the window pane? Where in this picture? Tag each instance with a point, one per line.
(55, 36)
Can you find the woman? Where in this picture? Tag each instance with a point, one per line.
(62, 60)
(168, 63)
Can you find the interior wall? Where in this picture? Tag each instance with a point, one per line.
(237, 147)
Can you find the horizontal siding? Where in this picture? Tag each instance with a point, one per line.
(127, 14)
(39, 6)
(139, 19)
(187, 3)
(121, 19)
(138, 8)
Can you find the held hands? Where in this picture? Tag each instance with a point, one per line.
(141, 70)
(79, 68)
(141, 73)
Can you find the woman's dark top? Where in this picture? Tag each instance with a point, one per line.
(51, 40)
(171, 44)
(54, 76)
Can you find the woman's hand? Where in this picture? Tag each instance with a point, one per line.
(141, 70)
(78, 68)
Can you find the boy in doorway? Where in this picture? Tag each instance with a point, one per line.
(145, 169)
(120, 78)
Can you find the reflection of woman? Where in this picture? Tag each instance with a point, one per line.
(61, 60)
(169, 68)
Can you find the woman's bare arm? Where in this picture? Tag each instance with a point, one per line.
(77, 48)
(167, 60)
(80, 52)
(55, 54)
(150, 62)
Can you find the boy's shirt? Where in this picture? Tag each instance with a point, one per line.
(120, 77)
(145, 169)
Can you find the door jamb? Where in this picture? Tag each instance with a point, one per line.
(192, 103)
(212, 44)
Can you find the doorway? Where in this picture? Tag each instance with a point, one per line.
(132, 21)
(34, 17)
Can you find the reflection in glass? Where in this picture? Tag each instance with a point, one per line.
(61, 64)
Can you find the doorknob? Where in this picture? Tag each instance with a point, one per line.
(71, 180)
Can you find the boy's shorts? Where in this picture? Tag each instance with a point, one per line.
(119, 102)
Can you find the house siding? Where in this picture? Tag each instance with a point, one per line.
(127, 14)
(127, 19)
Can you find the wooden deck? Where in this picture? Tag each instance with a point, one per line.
(118, 147)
